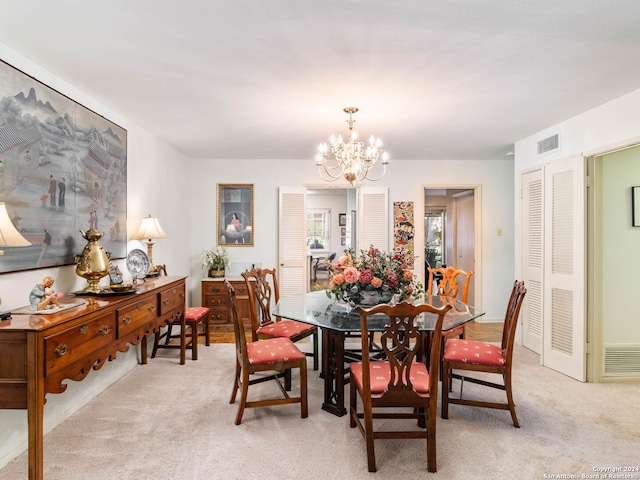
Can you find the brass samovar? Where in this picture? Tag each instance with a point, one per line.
(93, 263)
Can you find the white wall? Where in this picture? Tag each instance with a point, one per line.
(605, 128)
(158, 183)
(406, 181)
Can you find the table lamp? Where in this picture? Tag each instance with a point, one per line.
(9, 237)
(150, 229)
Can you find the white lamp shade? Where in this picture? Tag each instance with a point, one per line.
(9, 235)
(149, 228)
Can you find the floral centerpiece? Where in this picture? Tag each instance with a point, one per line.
(215, 260)
(373, 277)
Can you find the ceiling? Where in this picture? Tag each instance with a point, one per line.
(268, 79)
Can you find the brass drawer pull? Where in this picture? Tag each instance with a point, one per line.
(104, 330)
(181, 294)
(126, 320)
(216, 317)
(60, 350)
(151, 308)
(166, 301)
(83, 330)
(215, 303)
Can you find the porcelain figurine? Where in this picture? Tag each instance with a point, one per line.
(43, 296)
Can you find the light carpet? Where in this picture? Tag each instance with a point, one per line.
(167, 421)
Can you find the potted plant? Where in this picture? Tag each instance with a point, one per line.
(215, 260)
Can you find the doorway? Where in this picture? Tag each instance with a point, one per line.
(451, 237)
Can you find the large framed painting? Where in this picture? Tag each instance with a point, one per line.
(63, 168)
(235, 215)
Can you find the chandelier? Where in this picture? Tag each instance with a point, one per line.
(351, 159)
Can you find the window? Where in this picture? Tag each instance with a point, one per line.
(319, 229)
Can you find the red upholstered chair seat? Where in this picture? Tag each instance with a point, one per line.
(473, 352)
(285, 328)
(273, 351)
(381, 375)
(194, 313)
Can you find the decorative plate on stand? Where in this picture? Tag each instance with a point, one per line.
(138, 263)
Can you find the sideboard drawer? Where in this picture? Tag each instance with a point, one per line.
(68, 346)
(139, 313)
(172, 299)
(214, 288)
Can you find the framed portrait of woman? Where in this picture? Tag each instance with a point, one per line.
(235, 215)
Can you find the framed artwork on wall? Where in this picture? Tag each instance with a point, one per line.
(342, 219)
(63, 168)
(635, 206)
(403, 227)
(235, 214)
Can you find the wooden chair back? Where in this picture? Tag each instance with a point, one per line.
(511, 318)
(262, 289)
(448, 285)
(238, 326)
(401, 342)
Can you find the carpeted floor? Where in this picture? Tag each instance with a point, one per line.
(167, 421)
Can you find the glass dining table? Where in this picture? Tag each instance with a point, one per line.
(338, 323)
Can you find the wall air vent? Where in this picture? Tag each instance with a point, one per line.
(622, 360)
(548, 144)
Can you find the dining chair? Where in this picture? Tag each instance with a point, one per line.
(274, 354)
(188, 322)
(477, 356)
(398, 381)
(447, 284)
(262, 286)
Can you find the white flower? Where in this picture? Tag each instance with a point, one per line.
(217, 256)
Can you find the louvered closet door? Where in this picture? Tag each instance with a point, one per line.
(532, 259)
(564, 268)
(374, 218)
(292, 245)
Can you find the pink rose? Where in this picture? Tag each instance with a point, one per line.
(392, 281)
(407, 275)
(351, 275)
(366, 276)
(338, 279)
(376, 282)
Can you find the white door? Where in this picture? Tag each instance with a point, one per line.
(532, 259)
(564, 267)
(292, 244)
(373, 218)
(465, 239)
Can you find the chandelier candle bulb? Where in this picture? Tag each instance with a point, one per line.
(351, 160)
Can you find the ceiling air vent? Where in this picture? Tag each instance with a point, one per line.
(548, 144)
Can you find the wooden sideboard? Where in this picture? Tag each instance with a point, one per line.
(39, 352)
(214, 296)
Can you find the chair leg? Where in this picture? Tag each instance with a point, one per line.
(236, 383)
(368, 436)
(168, 337)
(183, 341)
(156, 340)
(353, 405)
(431, 441)
(287, 380)
(243, 396)
(446, 382)
(512, 406)
(194, 340)
(304, 405)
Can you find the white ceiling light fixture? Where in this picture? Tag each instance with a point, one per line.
(351, 159)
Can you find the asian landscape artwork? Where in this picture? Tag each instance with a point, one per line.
(63, 168)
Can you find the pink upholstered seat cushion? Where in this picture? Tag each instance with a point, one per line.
(272, 351)
(381, 375)
(474, 352)
(194, 313)
(285, 328)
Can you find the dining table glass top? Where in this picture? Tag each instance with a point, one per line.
(316, 308)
